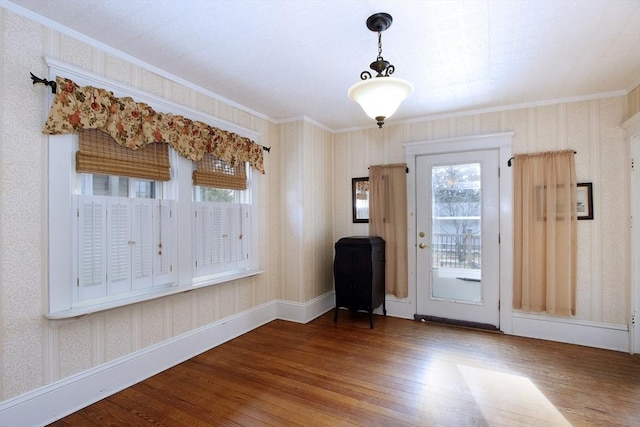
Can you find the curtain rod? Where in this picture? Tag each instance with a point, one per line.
(392, 165)
(406, 169)
(509, 161)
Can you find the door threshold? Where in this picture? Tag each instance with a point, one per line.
(455, 322)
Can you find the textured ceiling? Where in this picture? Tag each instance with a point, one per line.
(291, 58)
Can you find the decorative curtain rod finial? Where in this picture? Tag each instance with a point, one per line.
(45, 82)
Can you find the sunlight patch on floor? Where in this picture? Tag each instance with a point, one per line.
(510, 400)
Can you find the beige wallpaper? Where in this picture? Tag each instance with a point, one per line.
(592, 128)
(22, 231)
(633, 102)
(35, 351)
(306, 223)
(317, 196)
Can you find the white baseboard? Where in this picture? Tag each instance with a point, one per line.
(54, 401)
(571, 331)
(306, 312)
(398, 307)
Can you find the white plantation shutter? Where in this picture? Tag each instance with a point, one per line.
(208, 240)
(245, 236)
(237, 242)
(163, 248)
(231, 237)
(221, 237)
(218, 231)
(119, 245)
(141, 243)
(201, 239)
(91, 247)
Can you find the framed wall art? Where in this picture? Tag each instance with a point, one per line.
(584, 200)
(360, 199)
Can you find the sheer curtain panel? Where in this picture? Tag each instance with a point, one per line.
(388, 219)
(545, 233)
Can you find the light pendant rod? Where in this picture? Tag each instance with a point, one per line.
(381, 96)
(378, 23)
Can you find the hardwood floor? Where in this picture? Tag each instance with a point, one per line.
(402, 373)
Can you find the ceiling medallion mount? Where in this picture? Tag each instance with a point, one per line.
(381, 96)
(379, 22)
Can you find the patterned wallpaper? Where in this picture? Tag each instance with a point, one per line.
(592, 128)
(36, 351)
(306, 221)
(633, 102)
(22, 192)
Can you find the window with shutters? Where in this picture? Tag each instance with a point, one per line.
(221, 219)
(123, 226)
(132, 225)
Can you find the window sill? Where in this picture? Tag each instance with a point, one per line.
(214, 279)
(96, 308)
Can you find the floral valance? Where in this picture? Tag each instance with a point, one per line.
(135, 124)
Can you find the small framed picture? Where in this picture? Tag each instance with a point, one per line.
(584, 200)
(360, 199)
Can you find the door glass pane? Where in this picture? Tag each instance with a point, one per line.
(455, 232)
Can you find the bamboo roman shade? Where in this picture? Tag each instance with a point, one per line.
(99, 153)
(213, 172)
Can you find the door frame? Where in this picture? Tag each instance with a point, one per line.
(634, 329)
(497, 141)
(632, 131)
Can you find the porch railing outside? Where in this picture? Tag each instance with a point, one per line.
(456, 250)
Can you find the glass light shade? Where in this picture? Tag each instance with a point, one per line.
(380, 96)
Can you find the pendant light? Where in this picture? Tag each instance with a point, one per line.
(380, 96)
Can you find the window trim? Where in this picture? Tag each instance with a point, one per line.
(63, 181)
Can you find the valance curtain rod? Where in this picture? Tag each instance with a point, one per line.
(509, 161)
(51, 83)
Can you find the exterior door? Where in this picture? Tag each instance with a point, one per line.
(457, 222)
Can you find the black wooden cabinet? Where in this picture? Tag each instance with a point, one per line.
(358, 270)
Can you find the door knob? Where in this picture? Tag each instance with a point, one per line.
(422, 246)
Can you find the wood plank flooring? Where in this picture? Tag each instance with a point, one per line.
(402, 373)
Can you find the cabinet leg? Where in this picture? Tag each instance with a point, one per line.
(384, 307)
